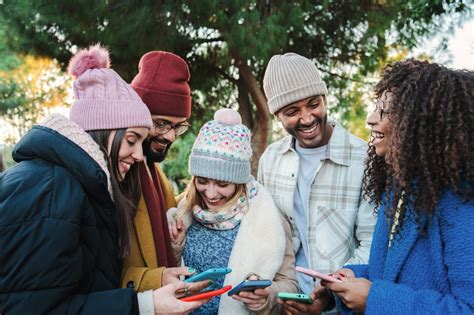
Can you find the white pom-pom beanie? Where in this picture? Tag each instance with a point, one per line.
(222, 150)
(103, 100)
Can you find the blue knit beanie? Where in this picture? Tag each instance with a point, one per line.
(222, 150)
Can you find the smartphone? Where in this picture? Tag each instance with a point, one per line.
(210, 274)
(318, 275)
(298, 297)
(250, 285)
(206, 294)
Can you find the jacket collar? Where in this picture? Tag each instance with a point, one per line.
(63, 142)
(339, 149)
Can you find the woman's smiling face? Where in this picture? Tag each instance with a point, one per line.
(214, 193)
(380, 124)
(130, 151)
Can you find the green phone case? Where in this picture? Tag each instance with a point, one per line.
(298, 297)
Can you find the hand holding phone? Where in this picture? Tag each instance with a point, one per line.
(210, 274)
(207, 294)
(297, 297)
(250, 285)
(318, 275)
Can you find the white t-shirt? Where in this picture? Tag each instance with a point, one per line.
(309, 164)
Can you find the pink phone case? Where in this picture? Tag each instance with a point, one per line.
(318, 275)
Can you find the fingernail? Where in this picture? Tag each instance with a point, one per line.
(191, 270)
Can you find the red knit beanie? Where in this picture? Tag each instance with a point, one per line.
(162, 83)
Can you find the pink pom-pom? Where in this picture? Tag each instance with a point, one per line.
(227, 116)
(95, 57)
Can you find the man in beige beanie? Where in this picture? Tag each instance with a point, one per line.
(315, 176)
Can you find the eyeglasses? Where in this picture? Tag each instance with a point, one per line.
(382, 109)
(164, 126)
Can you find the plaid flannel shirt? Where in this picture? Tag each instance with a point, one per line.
(340, 221)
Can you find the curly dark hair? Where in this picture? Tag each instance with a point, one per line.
(431, 147)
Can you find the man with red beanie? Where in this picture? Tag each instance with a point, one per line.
(162, 83)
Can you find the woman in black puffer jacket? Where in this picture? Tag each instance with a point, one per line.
(66, 207)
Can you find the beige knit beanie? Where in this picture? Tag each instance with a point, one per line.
(290, 78)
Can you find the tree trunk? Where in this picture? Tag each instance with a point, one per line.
(261, 119)
(245, 105)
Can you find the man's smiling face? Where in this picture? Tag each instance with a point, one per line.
(306, 121)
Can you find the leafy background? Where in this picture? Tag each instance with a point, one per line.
(227, 45)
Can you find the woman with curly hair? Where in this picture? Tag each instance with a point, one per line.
(420, 175)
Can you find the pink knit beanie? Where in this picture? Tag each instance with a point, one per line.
(103, 100)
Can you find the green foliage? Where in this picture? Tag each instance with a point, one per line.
(28, 86)
(348, 40)
(175, 165)
(28, 90)
(339, 35)
(8, 60)
(11, 94)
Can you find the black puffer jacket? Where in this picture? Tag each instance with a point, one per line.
(58, 229)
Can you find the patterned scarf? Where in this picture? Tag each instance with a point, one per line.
(229, 217)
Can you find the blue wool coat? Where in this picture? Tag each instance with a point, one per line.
(423, 274)
(59, 250)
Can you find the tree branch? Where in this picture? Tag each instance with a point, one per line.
(223, 73)
(345, 77)
(208, 40)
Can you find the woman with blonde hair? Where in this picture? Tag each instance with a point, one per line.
(227, 219)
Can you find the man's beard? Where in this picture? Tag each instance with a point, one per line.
(316, 141)
(153, 156)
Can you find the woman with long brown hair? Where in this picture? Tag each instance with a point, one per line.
(66, 208)
(420, 175)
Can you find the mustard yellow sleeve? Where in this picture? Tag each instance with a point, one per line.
(143, 278)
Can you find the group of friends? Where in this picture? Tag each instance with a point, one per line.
(90, 224)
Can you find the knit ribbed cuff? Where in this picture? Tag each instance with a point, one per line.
(96, 114)
(288, 97)
(232, 171)
(167, 104)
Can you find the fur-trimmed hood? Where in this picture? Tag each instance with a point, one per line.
(60, 141)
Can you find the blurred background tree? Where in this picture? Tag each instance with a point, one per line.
(228, 43)
(29, 90)
(29, 86)
(176, 163)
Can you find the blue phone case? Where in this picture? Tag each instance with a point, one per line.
(250, 285)
(210, 274)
